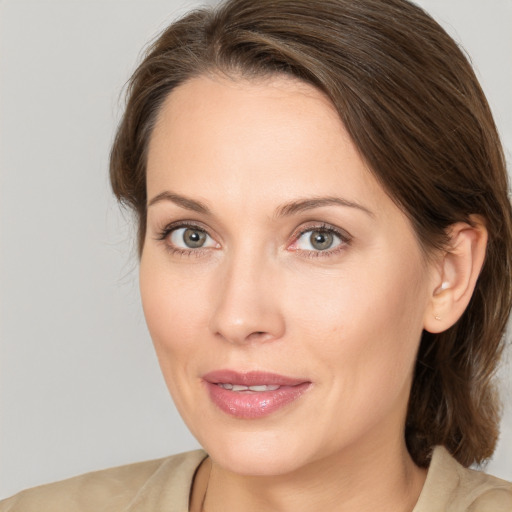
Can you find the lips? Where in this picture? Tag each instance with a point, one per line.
(252, 395)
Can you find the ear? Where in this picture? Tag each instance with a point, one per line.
(457, 272)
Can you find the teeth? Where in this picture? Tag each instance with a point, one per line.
(238, 387)
(263, 388)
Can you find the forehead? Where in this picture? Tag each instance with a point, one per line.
(267, 131)
(246, 110)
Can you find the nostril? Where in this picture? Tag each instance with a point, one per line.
(259, 336)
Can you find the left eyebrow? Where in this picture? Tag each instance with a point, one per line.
(302, 205)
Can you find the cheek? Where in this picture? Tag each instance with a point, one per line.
(365, 323)
(389, 337)
(172, 306)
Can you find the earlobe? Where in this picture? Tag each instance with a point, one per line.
(459, 268)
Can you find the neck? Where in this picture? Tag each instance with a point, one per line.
(384, 477)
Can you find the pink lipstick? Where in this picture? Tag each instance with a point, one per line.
(253, 394)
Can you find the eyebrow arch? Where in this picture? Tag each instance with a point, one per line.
(302, 205)
(285, 210)
(184, 202)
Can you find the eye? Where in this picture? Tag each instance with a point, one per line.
(320, 239)
(189, 237)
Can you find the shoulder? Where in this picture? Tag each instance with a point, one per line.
(484, 493)
(123, 488)
(452, 487)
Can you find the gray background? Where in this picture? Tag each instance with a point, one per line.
(80, 388)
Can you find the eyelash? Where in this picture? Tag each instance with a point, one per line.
(344, 237)
(178, 251)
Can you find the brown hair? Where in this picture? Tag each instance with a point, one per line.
(413, 106)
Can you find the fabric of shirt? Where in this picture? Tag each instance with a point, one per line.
(164, 485)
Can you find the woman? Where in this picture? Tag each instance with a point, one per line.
(325, 240)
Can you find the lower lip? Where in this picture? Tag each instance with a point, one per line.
(254, 404)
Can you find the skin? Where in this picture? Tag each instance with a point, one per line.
(259, 296)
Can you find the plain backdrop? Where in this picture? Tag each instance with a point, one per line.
(80, 388)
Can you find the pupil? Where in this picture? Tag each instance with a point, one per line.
(321, 240)
(194, 238)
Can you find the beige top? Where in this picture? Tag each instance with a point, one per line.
(164, 485)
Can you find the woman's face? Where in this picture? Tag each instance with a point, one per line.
(284, 290)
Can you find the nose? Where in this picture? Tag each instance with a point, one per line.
(246, 307)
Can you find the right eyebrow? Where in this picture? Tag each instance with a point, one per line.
(182, 201)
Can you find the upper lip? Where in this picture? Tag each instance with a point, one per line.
(252, 378)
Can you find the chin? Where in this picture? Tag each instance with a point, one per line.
(253, 453)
